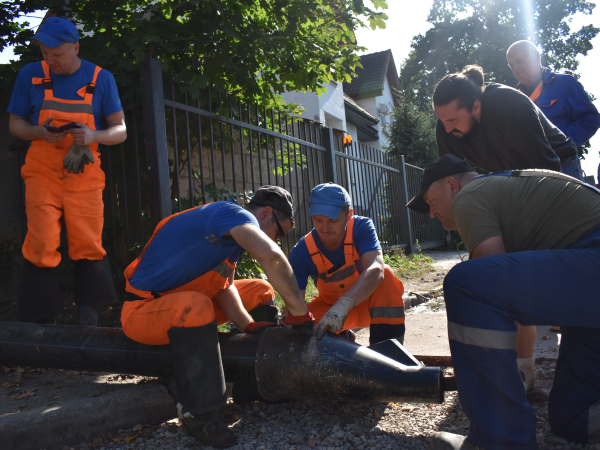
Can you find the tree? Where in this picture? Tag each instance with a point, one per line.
(412, 134)
(254, 49)
(480, 32)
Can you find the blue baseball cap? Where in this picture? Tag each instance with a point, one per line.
(328, 200)
(55, 31)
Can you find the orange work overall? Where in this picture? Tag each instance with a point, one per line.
(192, 305)
(384, 306)
(51, 192)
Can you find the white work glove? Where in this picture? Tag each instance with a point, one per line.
(527, 371)
(77, 158)
(334, 318)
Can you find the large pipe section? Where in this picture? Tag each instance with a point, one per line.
(283, 363)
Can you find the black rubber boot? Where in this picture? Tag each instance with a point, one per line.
(382, 332)
(200, 383)
(94, 284)
(87, 316)
(264, 313)
(40, 294)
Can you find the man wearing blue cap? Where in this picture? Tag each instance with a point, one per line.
(343, 256)
(66, 99)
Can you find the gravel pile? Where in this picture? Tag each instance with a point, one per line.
(325, 425)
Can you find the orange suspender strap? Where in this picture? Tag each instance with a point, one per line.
(349, 251)
(314, 253)
(538, 91)
(88, 90)
(46, 81)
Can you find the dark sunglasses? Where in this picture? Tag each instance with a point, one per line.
(281, 232)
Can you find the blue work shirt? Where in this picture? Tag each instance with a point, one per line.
(565, 103)
(365, 240)
(27, 98)
(191, 244)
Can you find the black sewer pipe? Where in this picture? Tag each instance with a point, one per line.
(283, 363)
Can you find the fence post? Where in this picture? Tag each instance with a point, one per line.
(155, 137)
(329, 144)
(405, 211)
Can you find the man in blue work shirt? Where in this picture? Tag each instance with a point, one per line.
(182, 286)
(561, 98)
(62, 173)
(343, 256)
(525, 230)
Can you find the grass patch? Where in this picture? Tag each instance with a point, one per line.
(311, 292)
(408, 267)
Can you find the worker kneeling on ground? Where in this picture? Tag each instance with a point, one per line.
(343, 255)
(534, 241)
(181, 287)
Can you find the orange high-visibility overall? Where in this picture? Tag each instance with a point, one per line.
(384, 306)
(51, 192)
(192, 305)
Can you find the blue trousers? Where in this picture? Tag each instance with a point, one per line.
(484, 298)
(572, 166)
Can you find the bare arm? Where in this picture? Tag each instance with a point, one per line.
(231, 304)
(20, 128)
(489, 247)
(115, 132)
(370, 278)
(274, 263)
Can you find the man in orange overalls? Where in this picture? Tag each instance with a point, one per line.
(343, 256)
(62, 173)
(182, 286)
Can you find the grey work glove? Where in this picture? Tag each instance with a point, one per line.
(77, 158)
(334, 318)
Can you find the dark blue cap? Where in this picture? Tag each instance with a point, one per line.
(328, 200)
(55, 31)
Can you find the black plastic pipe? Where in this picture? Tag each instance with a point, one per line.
(283, 363)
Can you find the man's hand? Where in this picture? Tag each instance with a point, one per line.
(77, 158)
(334, 318)
(48, 135)
(305, 322)
(258, 327)
(83, 135)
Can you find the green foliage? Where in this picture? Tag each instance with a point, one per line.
(255, 49)
(480, 32)
(248, 268)
(412, 134)
(410, 266)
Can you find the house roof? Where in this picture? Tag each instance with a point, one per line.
(369, 80)
(356, 109)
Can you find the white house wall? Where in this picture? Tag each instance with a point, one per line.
(388, 100)
(328, 109)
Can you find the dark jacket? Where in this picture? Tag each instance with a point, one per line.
(513, 134)
(566, 104)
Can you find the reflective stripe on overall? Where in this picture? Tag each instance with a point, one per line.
(384, 306)
(51, 192)
(192, 305)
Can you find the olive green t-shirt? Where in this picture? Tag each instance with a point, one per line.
(530, 213)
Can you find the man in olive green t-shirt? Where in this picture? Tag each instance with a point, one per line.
(534, 244)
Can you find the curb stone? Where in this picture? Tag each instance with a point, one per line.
(77, 421)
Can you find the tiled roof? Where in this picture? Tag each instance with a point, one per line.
(370, 78)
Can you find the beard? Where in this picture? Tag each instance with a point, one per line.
(470, 132)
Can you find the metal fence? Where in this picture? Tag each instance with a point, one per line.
(181, 153)
(425, 231)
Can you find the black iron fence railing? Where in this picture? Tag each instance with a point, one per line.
(181, 153)
(424, 230)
